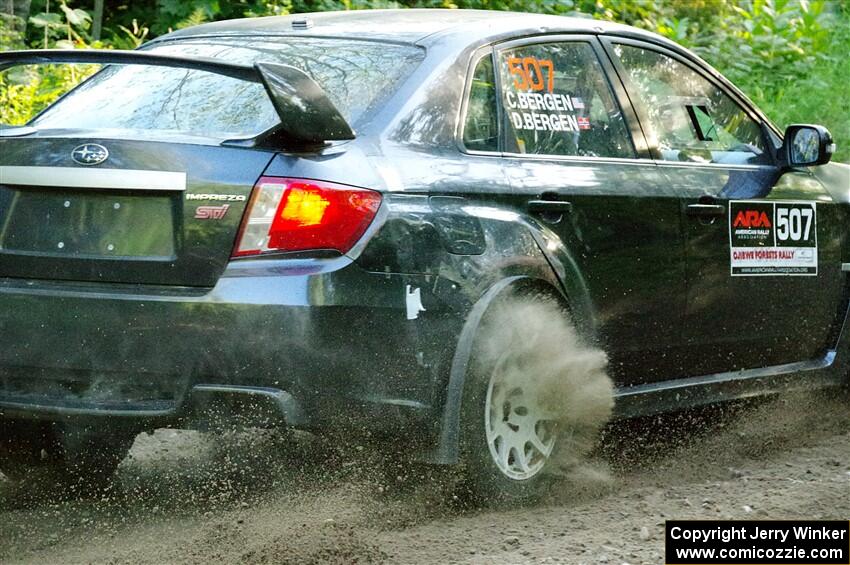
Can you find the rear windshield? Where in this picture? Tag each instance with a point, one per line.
(356, 75)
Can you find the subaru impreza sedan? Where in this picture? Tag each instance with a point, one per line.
(306, 221)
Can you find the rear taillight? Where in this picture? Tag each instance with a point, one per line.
(302, 215)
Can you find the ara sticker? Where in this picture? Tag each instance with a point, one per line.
(773, 238)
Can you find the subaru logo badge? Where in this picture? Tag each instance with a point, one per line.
(90, 154)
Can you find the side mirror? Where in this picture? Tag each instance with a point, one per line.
(807, 145)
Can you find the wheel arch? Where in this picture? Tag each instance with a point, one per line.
(447, 450)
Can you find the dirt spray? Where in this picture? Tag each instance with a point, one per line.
(534, 344)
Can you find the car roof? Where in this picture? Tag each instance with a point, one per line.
(414, 26)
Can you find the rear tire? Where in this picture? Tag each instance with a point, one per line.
(534, 399)
(47, 455)
(501, 463)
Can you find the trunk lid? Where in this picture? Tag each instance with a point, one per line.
(153, 212)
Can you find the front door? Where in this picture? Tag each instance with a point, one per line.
(762, 251)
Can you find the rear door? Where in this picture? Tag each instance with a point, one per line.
(763, 252)
(151, 212)
(581, 171)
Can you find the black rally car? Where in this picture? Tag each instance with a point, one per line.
(304, 220)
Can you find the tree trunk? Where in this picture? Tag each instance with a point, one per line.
(97, 20)
(19, 9)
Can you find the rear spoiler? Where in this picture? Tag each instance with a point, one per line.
(306, 114)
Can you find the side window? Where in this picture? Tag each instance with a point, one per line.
(481, 128)
(557, 101)
(693, 120)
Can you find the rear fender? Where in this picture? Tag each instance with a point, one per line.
(477, 252)
(570, 278)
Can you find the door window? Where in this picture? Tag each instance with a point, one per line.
(557, 101)
(481, 128)
(693, 120)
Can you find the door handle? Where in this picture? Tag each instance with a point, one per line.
(706, 210)
(559, 206)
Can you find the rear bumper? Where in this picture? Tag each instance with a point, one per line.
(329, 338)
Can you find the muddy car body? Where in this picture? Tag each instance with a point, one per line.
(510, 154)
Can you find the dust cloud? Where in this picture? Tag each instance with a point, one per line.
(531, 340)
(264, 496)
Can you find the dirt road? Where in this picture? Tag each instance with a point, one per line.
(183, 497)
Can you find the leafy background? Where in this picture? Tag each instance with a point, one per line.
(792, 57)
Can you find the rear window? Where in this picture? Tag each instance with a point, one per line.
(356, 75)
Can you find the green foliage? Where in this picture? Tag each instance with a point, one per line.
(129, 38)
(792, 57)
(25, 91)
(10, 37)
(794, 63)
(63, 30)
